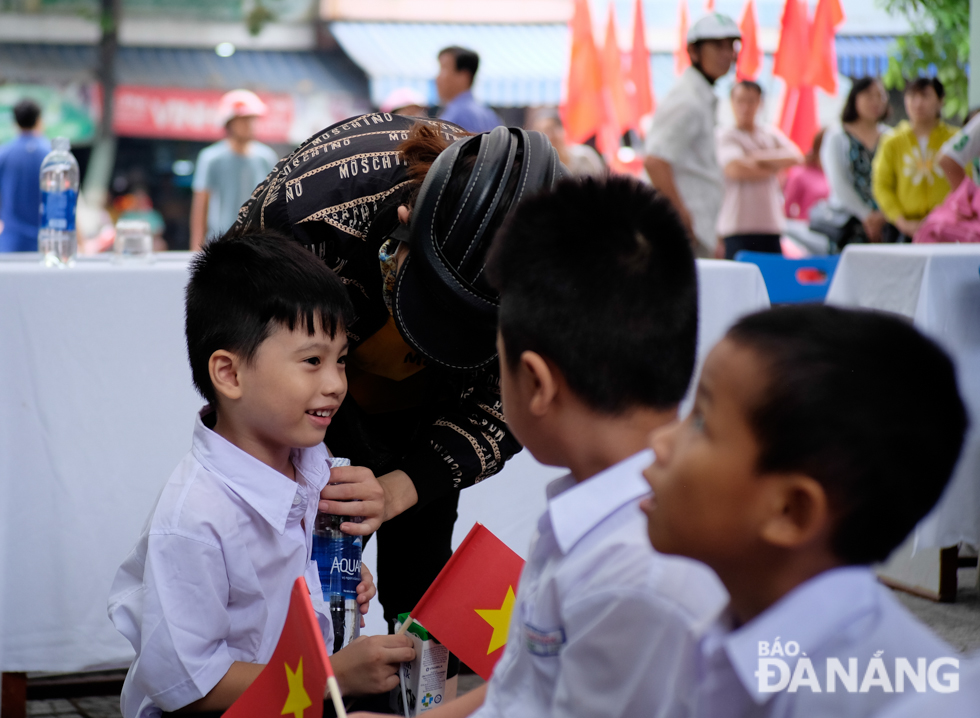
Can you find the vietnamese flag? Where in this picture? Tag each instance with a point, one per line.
(582, 110)
(793, 52)
(822, 69)
(469, 604)
(681, 59)
(642, 97)
(295, 679)
(750, 56)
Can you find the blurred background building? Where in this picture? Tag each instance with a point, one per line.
(315, 63)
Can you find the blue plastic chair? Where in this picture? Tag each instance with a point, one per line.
(792, 281)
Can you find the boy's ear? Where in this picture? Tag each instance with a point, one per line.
(799, 512)
(223, 367)
(542, 384)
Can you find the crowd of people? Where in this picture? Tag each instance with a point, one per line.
(426, 297)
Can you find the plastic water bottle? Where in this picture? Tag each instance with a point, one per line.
(338, 560)
(56, 240)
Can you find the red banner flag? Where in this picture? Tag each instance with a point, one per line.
(750, 56)
(822, 67)
(681, 59)
(469, 604)
(582, 111)
(295, 679)
(642, 84)
(618, 109)
(793, 51)
(799, 118)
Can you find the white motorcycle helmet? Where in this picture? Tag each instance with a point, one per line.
(713, 27)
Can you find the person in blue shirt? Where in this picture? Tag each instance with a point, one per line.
(20, 185)
(457, 69)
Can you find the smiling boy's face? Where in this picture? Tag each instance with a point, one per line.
(709, 502)
(294, 385)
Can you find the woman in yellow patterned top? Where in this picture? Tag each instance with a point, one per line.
(907, 180)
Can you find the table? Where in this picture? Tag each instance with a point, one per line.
(96, 410)
(937, 287)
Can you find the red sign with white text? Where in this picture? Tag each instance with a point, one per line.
(174, 113)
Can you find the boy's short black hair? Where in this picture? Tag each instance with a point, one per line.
(26, 114)
(921, 84)
(598, 277)
(465, 59)
(243, 283)
(863, 403)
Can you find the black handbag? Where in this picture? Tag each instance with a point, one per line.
(838, 224)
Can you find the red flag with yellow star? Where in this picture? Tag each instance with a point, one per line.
(294, 681)
(469, 604)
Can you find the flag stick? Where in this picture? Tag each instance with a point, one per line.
(405, 626)
(338, 703)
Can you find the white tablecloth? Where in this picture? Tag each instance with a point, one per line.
(97, 408)
(938, 288)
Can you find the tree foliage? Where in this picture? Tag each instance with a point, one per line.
(938, 45)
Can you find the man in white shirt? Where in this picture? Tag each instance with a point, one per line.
(228, 171)
(680, 147)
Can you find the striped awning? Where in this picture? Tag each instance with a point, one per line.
(520, 65)
(863, 56)
(262, 71)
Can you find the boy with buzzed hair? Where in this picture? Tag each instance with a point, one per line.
(818, 439)
(598, 326)
(204, 594)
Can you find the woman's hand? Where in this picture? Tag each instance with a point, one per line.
(366, 590)
(354, 491)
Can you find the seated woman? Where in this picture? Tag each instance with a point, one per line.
(847, 153)
(906, 178)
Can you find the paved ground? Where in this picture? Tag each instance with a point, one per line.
(958, 623)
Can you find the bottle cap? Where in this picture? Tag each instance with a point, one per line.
(61, 144)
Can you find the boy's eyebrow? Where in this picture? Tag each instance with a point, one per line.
(319, 344)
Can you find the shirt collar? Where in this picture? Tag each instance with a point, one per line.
(693, 78)
(811, 614)
(263, 488)
(576, 509)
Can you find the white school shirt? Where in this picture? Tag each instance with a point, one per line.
(209, 580)
(602, 626)
(683, 134)
(841, 614)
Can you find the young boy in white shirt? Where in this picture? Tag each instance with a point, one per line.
(818, 439)
(598, 325)
(204, 594)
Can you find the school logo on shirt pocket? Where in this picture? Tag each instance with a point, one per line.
(543, 643)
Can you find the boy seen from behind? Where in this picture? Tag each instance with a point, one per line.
(818, 439)
(598, 325)
(204, 594)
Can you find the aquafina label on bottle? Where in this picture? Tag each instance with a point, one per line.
(338, 560)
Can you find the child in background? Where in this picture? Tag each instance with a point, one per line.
(598, 325)
(818, 439)
(204, 594)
